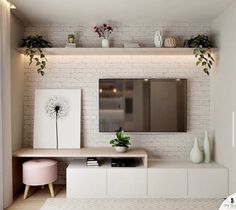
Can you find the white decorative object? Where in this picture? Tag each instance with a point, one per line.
(206, 149)
(158, 39)
(105, 43)
(57, 118)
(121, 149)
(196, 155)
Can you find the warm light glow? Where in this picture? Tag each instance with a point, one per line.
(114, 90)
(146, 80)
(177, 80)
(13, 6)
(100, 90)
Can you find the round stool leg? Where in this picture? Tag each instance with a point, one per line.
(51, 189)
(27, 187)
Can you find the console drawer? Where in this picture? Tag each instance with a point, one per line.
(167, 182)
(130, 182)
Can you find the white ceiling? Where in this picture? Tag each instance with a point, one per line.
(82, 12)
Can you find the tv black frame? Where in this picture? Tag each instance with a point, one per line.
(186, 102)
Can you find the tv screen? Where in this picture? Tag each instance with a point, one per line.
(143, 105)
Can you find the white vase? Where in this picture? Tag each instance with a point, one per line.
(206, 149)
(196, 155)
(105, 43)
(158, 39)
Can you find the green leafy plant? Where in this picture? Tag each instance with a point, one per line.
(34, 45)
(121, 140)
(202, 51)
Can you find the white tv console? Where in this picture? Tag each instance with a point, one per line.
(152, 178)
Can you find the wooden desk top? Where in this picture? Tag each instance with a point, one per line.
(83, 152)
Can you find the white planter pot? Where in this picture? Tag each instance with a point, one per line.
(121, 149)
(105, 43)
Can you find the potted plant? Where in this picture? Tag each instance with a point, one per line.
(104, 31)
(71, 38)
(34, 45)
(121, 142)
(202, 50)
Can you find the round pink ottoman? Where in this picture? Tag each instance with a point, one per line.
(39, 172)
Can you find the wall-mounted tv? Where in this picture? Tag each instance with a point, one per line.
(143, 105)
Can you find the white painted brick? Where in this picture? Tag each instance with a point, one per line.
(84, 71)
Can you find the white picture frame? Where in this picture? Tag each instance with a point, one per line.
(57, 119)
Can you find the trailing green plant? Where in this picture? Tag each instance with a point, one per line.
(34, 45)
(202, 51)
(121, 140)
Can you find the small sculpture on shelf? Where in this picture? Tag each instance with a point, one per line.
(71, 41)
(121, 142)
(104, 31)
(71, 38)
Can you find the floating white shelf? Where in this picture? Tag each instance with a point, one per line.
(117, 51)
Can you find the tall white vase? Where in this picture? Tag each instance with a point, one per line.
(206, 149)
(158, 39)
(105, 43)
(196, 155)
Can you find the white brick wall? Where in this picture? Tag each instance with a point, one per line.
(84, 71)
(142, 34)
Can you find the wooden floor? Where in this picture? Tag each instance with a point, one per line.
(36, 199)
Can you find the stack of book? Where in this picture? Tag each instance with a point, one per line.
(92, 161)
(131, 45)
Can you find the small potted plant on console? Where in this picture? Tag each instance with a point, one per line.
(121, 142)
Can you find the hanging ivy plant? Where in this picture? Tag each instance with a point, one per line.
(34, 45)
(202, 51)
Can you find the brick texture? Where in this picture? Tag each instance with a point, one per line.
(84, 71)
(143, 34)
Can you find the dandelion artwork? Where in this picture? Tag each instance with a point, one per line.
(57, 119)
(57, 108)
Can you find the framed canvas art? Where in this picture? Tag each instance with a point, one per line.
(57, 118)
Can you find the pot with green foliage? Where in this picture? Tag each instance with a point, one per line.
(121, 142)
(202, 50)
(34, 45)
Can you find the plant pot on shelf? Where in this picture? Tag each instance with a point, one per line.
(121, 149)
(121, 142)
(105, 43)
